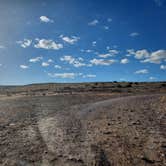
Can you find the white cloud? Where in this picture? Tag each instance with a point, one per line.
(124, 61)
(24, 66)
(94, 43)
(88, 51)
(37, 59)
(156, 57)
(142, 71)
(63, 75)
(45, 19)
(130, 52)
(57, 66)
(45, 64)
(48, 44)
(109, 54)
(50, 61)
(152, 78)
(151, 57)
(89, 76)
(70, 40)
(109, 19)
(76, 62)
(113, 52)
(67, 58)
(104, 55)
(25, 43)
(134, 34)
(108, 47)
(93, 23)
(163, 67)
(102, 62)
(140, 54)
(106, 27)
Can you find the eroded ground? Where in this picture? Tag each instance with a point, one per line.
(83, 130)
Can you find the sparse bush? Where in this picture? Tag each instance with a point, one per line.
(116, 90)
(129, 85)
(136, 83)
(163, 85)
(93, 87)
(96, 84)
(119, 86)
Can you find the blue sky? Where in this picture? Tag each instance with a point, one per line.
(82, 41)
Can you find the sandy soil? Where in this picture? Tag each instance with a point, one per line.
(83, 130)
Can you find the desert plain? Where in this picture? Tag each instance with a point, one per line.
(83, 124)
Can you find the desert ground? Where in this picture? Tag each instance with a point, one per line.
(86, 124)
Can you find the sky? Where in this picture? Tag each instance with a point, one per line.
(82, 41)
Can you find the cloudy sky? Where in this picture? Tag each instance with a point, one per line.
(82, 41)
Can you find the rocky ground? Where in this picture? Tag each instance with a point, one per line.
(86, 129)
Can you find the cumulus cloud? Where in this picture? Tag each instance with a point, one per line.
(50, 61)
(37, 59)
(124, 61)
(163, 67)
(48, 44)
(67, 58)
(76, 62)
(146, 56)
(93, 23)
(109, 54)
(46, 19)
(57, 66)
(63, 75)
(140, 54)
(156, 57)
(24, 66)
(104, 55)
(106, 27)
(152, 78)
(134, 34)
(108, 48)
(142, 71)
(25, 43)
(130, 52)
(94, 43)
(113, 52)
(102, 62)
(89, 76)
(70, 40)
(45, 64)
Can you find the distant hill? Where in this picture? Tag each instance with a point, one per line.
(130, 87)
